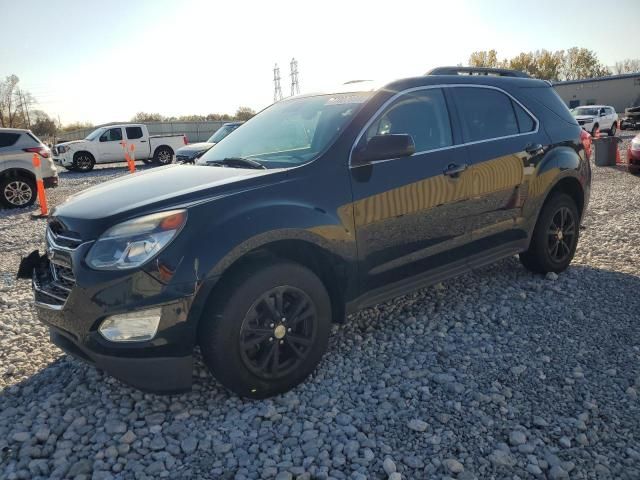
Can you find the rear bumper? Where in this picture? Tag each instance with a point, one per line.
(50, 182)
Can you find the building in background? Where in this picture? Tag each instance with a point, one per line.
(619, 91)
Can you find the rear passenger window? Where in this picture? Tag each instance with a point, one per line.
(525, 122)
(7, 139)
(485, 113)
(134, 132)
(422, 114)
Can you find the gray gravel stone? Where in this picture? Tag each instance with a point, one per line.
(495, 351)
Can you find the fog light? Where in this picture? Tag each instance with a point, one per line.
(131, 327)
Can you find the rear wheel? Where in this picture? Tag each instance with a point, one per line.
(266, 330)
(16, 192)
(83, 162)
(163, 156)
(555, 236)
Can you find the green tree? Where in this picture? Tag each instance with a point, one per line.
(142, 117)
(244, 113)
(484, 58)
(628, 65)
(42, 125)
(70, 127)
(582, 63)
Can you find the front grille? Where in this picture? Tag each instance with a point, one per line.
(53, 285)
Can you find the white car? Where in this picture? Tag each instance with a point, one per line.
(106, 145)
(17, 174)
(597, 117)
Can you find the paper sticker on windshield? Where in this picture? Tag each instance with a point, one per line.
(348, 98)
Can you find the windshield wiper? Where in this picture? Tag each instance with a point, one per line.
(238, 162)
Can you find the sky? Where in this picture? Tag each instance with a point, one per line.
(99, 62)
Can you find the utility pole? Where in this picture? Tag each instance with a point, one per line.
(277, 89)
(295, 84)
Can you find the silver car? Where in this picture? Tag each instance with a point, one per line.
(17, 174)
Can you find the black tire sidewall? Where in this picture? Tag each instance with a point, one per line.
(222, 320)
(77, 168)
(7, 180)
(539, 257)
(156, 156)
(612, 130)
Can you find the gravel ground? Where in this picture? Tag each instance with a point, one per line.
(496, 374)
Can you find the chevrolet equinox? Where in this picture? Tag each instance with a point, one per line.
(318, 206)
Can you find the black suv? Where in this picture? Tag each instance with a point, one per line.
(318, 206)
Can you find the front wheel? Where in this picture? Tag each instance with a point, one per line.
(612, 130)
(267, 328)
(555, 236)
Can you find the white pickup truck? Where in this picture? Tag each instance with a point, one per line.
(106, 145)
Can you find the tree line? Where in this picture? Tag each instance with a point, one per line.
(17, 110)
(572, 64)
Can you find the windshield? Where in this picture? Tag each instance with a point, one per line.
(290, 132)
(221, 133)
(95, 134)
(585, 111)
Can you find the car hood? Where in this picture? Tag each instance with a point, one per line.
(68, 143)
(193, 148)
(91, 211)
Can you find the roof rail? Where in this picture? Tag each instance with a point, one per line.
(499, 72)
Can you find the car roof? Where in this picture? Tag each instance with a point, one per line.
(428, 80)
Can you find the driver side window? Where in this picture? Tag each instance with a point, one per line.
(111, 135)
(422, 114)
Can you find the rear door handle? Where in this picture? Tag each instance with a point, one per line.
(453, 170)
(534, 148)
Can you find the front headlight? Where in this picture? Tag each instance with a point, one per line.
(134, 242)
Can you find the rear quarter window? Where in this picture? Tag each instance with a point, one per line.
(549, 98)
(134, 132)
(485, 113)
(8, 139)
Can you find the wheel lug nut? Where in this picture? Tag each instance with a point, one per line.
(281, 342)
(271, 325)
(271, 339)
(289, 330)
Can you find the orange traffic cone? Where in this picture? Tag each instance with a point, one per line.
(130, 160)
(42, 197)
(597, 135)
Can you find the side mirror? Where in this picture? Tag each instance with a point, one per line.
(603, 114)
(385, 147)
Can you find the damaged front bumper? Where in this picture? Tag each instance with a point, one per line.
(73, 301)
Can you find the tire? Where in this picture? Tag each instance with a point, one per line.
(612, 130)
(595, 128)
(83, 162)
(163, 156)
(18, 191)
(243, 326)
(558, 226)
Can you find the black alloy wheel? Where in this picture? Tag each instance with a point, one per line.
(561, 235)
(277, 333)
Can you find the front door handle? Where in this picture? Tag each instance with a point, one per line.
(534, 148)
(453, 170)
(143, 141)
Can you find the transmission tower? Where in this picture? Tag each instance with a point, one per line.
(277, 89)
(295, 85)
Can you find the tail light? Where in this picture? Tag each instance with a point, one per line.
(42, 151)
(185, 139)
(585, 137)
